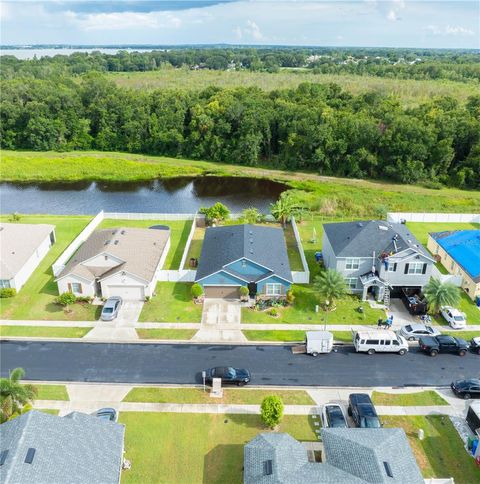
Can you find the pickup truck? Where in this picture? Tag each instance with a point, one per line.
(443, 344)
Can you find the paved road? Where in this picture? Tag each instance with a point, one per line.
(270, 365)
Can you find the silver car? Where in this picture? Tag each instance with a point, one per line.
(110, 308)
(414, 331)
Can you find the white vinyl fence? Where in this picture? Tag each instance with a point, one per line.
(300, 277)
(151, 216)
(451, 278)
(182, 275)
(189, 241)
(397, 217)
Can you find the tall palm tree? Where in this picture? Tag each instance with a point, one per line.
(285, 207)
(13, 395)
(440, 294)
(330, 285)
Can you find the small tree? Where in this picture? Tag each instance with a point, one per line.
(251, 215)
(244, 291)
(66, 300)
(14, 217)
(330, 285)
(440, 294)
(15, 398)
(197, 291)
(285, 207)
(216, 213)
(272, 411)
(290, 297)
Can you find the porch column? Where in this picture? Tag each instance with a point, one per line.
(381, 292)
(364, 295)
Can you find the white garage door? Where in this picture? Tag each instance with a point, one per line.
(135, 293)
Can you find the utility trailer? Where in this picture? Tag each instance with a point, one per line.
(316, 342)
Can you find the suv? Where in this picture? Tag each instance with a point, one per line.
(362, 411)
(443, 344)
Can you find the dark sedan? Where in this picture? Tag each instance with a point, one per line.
(238, 376)
(362, 411)
(475, 345)
(466, 388)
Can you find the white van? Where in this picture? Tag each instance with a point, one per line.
(381, 341)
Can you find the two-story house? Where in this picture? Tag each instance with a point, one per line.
(376, 257)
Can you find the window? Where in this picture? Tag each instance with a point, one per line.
(4, 283)
(452, 265)
(392, 267)
(415, 268)
(352, 264)
(372, 342)
(273, 289)
(76, 287)
(351, 282)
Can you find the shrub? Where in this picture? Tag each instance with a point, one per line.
(290, 297)
(14, 217)
(272, 411)
(272, 312)
(84, 299)
(216, 213)
(66, 298)
(197, 290)
(251, 215)
(244, 291)
(8, 292)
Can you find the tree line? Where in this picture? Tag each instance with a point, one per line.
(312, 127)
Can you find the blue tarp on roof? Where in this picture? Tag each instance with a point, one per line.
(464, 247)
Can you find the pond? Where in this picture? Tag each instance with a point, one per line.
(173, 195)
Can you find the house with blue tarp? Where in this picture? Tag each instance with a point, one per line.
(248, 255)
(459, 252)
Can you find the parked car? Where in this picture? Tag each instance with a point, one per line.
(228, 374)
(455, 318)
(475, 345)
(466, 389)
(333, 416)
(381, 341)
(107, 413)
(362, 411)
(110, 308)
(413, 331)
(443, 344)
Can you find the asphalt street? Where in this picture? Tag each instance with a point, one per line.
(269, 365)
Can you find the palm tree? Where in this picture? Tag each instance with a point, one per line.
(330, 285)
(285, 207)
(13, 395)
(440, 294)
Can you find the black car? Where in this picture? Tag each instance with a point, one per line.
(475, 345)
(362, 411)
(443, 344)
(238, 376)
(466, 388)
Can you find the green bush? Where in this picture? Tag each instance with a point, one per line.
(290, 297)
(272, 411)
(272, 312)
(244, 291)
(85, 299)
(66, 298)
(216, 213)
(197, 290)
(8, 292)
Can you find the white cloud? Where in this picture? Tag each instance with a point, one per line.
(253, 30)
(449, 30)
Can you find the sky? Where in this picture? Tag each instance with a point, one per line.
(370, 23)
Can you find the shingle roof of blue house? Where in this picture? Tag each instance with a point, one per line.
(463, 246)
(262, 245)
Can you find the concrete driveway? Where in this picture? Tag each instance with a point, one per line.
(401, 316)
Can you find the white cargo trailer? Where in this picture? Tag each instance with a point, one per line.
(316, 342)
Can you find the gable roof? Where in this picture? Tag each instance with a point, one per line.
(18, 242)
(139, 250)
(463, 246)
(77, 448)
(362, 238)
(263, 245)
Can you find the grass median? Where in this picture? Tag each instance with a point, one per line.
(51, 392)
(292, 336)
(180, 334)
(43, 331)
(425, 398)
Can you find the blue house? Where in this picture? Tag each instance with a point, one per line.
(244, 255)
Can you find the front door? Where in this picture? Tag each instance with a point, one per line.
(252, 289)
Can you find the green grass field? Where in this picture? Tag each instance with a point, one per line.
(193, 448)
(428, 397)
(185, 334)
(42, 331)
(51, 392)
(242, 396)
(422, 229)
(411, 92)
(291, 336)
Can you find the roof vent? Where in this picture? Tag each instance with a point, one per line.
(3, 457)
(388, 469)
(267, 467)
(116, 242)
(251, 251)
(251, 240)
(382, 227)
(30, 455)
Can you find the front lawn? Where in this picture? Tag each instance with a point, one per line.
(36, 298)
(195, 248)
(43, 331)
(172, 304)
(179, 230)
(303, 311)
(244, 396)
(441, 454)
(194, 448)
(51, 392)
(294, 336)
(467, 306)
(166, 333)
(428, 398)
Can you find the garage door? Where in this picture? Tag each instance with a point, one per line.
(224, 292)
(135, 293)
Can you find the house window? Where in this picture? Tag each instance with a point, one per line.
(4, 283)
(452, 265)
(76, 287)
(244, 263)
(392, 267)
(351, 282)
(352, 264)
(415, 268)
(273, 289)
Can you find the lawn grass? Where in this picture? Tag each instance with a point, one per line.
(185, 334)
(43, 331)
(441, 454)
(244, 396)
(179, 230)
(467, 306)
(36, 298)
(422, 229)
(194, 448)
(51, 411)
(195, 246)
(292, 336)
(427, 397)
(303, 311)
(292, 249)
(172, 304)
(467, 335)
(51, 392)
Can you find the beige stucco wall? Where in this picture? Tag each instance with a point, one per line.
(87, 288)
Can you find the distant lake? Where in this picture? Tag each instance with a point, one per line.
(30, 53)
(173, 195)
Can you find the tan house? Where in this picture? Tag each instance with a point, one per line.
(459, 253)
(117, 262)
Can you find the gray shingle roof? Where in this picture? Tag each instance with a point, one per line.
(77, 448)
(360, 239)
(263, 245)
(139, 249)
